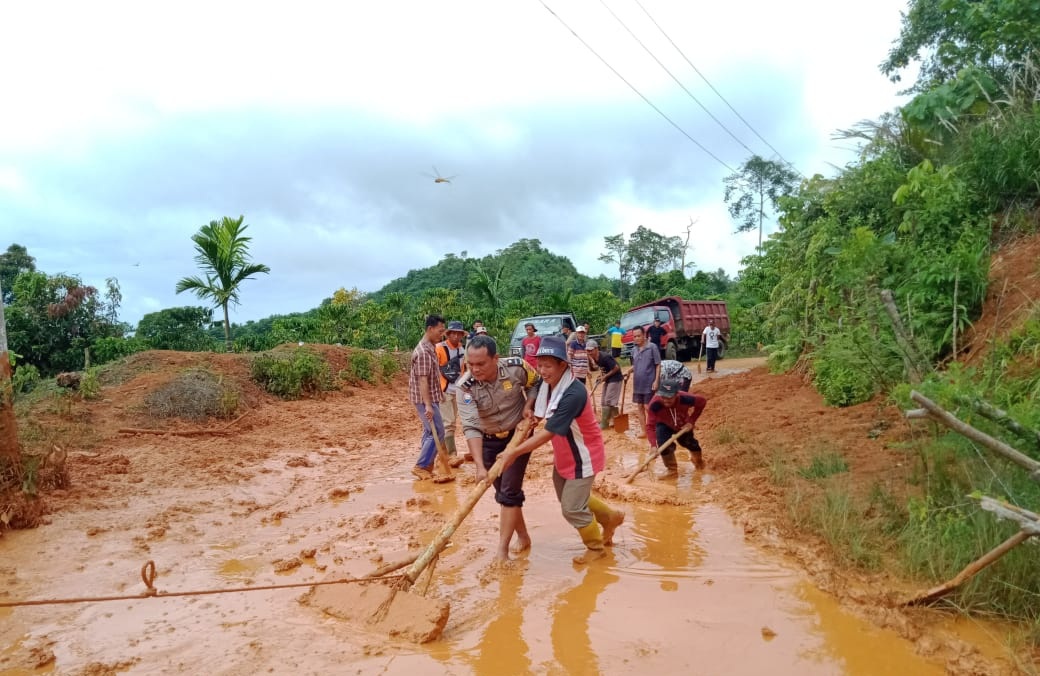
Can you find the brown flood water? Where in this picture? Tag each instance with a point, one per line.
(680, 593)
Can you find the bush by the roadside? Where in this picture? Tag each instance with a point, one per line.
(196, 395)
(361, 368)
(109, 349)
(26, 377)
(293, 374)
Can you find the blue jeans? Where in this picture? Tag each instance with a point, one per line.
(427, 447)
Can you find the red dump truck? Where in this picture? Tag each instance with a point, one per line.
(683, 321)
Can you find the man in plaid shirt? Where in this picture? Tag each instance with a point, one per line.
(424, 391)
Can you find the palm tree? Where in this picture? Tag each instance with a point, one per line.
(222, 253)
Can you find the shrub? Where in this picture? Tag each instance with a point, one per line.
(196, 394)
(841, 385)
(109, 349)
(25, 378)
(388, 366)
(361, 368)
(292, 375)
(89, 387)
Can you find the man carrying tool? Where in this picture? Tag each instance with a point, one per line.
(578, 452)
(425, 393)
(491, 405)
(667, 413)
(711, 337)
(646, 373)
(450, 355)
(610, 376)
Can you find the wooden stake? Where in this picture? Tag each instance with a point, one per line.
(935, 593)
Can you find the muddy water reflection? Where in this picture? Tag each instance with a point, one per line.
(681, 592)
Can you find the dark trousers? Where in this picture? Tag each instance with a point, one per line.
(687, 441)
(509, 487)
(713, 354)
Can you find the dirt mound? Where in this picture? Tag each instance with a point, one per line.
(1012, 296)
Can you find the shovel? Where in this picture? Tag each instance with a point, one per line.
(699, 355)
(621, 419)
(595, 408)
(394, 609)
(650, 458)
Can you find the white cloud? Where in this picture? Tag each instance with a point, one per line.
(134, 123)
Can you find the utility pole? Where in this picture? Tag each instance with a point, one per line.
(8, 427)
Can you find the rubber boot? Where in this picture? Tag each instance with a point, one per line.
(604, 417)
(696, 459)
(453, 454)
(608, 519)
(671, 468)
(593, 539)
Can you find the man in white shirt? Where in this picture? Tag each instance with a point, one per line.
(712, 336)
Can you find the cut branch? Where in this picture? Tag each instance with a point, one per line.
(1002, 418)
(914, 363)
(995, 445)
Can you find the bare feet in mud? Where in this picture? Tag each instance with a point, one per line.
(521, 545)
(617, 518)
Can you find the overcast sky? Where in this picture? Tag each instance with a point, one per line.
(127, 126)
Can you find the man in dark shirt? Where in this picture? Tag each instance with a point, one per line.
(655, 334)
(668, 412)
(610, 378)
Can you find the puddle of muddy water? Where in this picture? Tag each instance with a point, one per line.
(681, 592)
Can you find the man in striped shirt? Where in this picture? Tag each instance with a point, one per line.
(424, 391)
(578, 452)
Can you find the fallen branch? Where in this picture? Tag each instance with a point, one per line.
(935, 593)
(1002, 418)
(178, 433)
(1029, 521)
(995, 445)
(911, 358)
(232, 423)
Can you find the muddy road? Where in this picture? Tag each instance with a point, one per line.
(302, 491)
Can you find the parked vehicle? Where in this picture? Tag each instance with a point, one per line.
(684, 322)
(545, 325)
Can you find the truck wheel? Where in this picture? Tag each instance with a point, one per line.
(669, 351)
(722, 350)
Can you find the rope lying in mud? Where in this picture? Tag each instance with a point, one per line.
(148, 577)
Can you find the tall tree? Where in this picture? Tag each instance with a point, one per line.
(13, 262)
(177, 328)
(756, 186)
(222, 253)
(617, 252)
(948, 36)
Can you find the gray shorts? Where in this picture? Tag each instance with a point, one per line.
(611, 394)
(573, 495)
(642, 397)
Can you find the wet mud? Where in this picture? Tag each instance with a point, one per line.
(307, 491)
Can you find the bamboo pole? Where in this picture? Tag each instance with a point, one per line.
(657, 451)
(912, 359)
(970, 570)
(995, 445)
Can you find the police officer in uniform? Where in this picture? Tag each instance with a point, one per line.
(491, 404)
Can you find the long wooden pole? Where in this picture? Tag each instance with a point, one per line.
(970, 570)
(995, 445)
(441, 540)
(657, 451)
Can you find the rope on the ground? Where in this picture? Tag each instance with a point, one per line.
(148, 577)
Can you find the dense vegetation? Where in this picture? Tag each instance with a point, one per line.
(936, 187)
